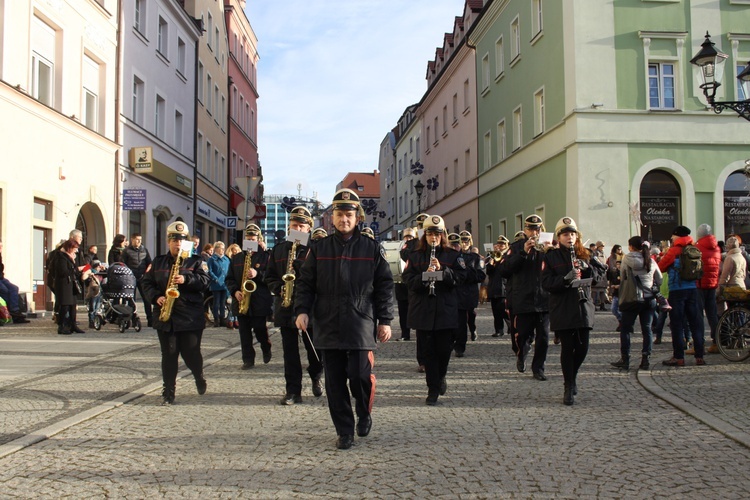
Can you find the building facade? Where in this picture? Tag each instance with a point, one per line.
(387, 168)
(58, 89)
(409, 169)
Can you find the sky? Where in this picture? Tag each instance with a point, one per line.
(334, 77)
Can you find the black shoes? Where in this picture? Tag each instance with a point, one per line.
(248, 365)
(167, 396)
(291, 399)
(266, 356)
(644, 362)
(431, 399)
(317, 388)
(521, 364)
(364, 425)
(64, 331)
(75, 329)
(201, 385)
(498, 334)
(19, 318)
(623, 363)
(443, 387)
(568, 396)
(459, 354)
(540, 375)
(473, 335)
(345, 441)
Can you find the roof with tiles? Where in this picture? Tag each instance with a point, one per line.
(365, 184)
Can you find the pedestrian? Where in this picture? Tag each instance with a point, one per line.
(196, 245)
(401, 290)
(683, 297)
(709, 282)
(137, 258)
(614, 277)
(68, 289)
(251, 299)
(496, 286)
(94, 290)
(180, 327)
(347, 287)
(232, 250)
(734, 270)
(571, 306)
(600, 289)
(433, 304)
(208, 251)
(115, 251)
(468, 292)
(9, 293)
(638, 265)
(218, 266)
(285, 262)
(522, 266)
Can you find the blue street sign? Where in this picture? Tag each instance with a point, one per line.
(231, 222)
(374, 226)
(134, 199)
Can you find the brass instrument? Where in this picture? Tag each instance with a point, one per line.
(172, 293)
(432, 282)
(289, 277)
(248, 285)
(497, 255)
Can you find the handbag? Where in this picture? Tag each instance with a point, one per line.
(631, 293)
(5, 316)
(77, 287)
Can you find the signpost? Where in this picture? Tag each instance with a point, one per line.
(134, 199)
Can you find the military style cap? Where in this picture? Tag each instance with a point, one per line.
(177, 231)
(420, 220)
(252, 229)
(408, 232)
(502, 239)
(565, 225)
(345, 199)
(533, 221)
(319, 234)
(368, 232)
(518, 236)
(434, 223)
(301, 214)
(465, 235)
(454, 238)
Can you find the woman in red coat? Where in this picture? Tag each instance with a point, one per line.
(709, 282)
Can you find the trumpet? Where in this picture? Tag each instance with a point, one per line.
(497, 255)
(289, 277)
(172, 293)
(248, 285)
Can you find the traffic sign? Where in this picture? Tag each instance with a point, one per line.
(246, 210)
(374, 226)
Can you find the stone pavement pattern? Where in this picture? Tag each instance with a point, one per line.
(496, 434)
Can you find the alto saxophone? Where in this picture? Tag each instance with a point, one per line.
(289, 277)
(248, 285)
(172, 292)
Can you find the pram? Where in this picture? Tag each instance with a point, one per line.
(118, 300)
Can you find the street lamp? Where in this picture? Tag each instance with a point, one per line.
(419, 188)
(711, 62)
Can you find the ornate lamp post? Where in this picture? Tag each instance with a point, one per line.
(419, 188)
(711, 62)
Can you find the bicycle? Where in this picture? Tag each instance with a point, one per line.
(733, 329)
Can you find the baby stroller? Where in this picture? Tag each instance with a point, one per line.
(118, 303)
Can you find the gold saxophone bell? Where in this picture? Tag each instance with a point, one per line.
(172, 293)
(288, 287)
(248, 286)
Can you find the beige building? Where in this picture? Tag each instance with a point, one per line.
(57, 102)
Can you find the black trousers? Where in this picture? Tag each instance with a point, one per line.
(248, 325)
(574, 347)
(533, 327)
(498, 313)
(292, 364)
(437, 346)
(462, 330)
(173, 345)
(146, 303)
(354, 367)
(403, 314)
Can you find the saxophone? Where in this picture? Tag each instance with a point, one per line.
(172, 292)
(248, 285)
(289, 277)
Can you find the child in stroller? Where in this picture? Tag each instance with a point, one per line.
(118, 303)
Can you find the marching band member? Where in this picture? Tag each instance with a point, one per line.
(175, 283)
(402, 291)
(468, 292)
(246, 275)
(496, 288)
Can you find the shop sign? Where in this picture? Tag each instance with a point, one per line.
(657, 211)
(134, 199)
(737, 210)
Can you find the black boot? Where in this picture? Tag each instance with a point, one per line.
(644, 362)
(623, 363)
(167, 396)
(568, 395)
(200, 383)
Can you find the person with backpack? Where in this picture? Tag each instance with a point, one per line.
(684, 267)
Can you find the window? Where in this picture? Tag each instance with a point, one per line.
(215, 171)
(199, 153)
(661, 86)
(215, 101)
(162, 42)
(445, 120)
(499, 57)
(485, 72)
(436, 130)
(43, 46)
(515, 39)
(200, 81)
(223, 110)
(138, 90)
(140, 16)
(178, 131)
(181, 56)
(209, 95)
(411, 144)
(418, 152)
(536, 17)
(539, 112)
(455, 108)
(428, 137)
(456, 180)
(467, 164)
(90, 109)
(501, 144)
(467, 102)
(210, 30)
(216, 39)
(159, 118)
(234, 103)
(487, 151)
(517, 129)
(207, 166)
(740, 89)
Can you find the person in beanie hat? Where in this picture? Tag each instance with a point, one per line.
(346, 286)
(709, 282)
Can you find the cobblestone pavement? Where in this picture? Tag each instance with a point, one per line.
(496, 434)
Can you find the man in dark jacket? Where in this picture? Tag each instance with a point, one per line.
(260, 301)
(468, 291)
(137, 258)
(522, 266)
(346, 284)
(496, 287)
(709, 282)
(179, 333)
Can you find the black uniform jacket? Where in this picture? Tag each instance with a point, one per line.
(523, 272)
(441, 311)
(468, 291)
(348, 286)
(261, 302)
(187, 311)
(66, 274)
(566, 311)
(496, 286)
(277, 267)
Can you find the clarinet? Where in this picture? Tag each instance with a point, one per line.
(577, 265)
(432, 281)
